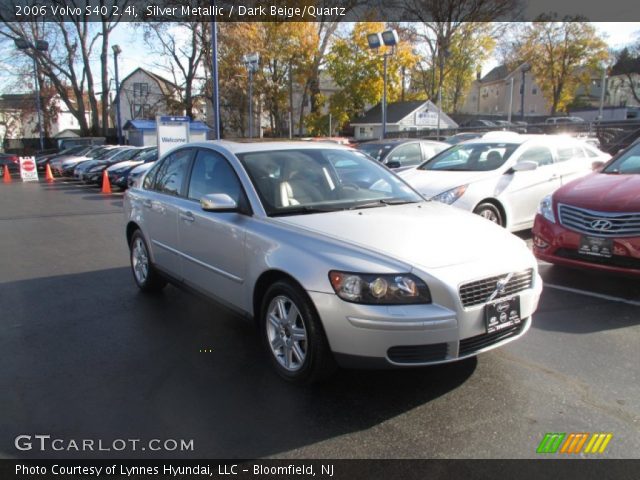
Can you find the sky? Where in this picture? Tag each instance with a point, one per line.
(135, 52)
(617, 34)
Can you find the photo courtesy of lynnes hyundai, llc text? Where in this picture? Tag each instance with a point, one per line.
(338, 260)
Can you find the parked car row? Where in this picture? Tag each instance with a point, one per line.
(88, 163)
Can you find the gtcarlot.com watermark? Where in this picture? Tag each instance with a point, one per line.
(45, 443)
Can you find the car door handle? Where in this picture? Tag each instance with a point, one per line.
(146, 203)
(554, 176)
(187, 216)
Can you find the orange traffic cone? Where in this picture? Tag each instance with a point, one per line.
(48, 174)
(106, 185)
(7, 175)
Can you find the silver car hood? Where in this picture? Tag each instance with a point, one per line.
(432, 182)
(427, 235)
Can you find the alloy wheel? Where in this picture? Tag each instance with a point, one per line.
(286, 333)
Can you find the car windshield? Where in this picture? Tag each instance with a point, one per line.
(471, 157)
(148, 156)
(126, 154)
(377, 151)
(97, 152)
(627, 163)
(300, 181)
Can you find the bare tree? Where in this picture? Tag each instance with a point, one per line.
(185, 56)
(66, 64)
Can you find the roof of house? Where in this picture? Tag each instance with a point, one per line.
(395, 112)
(497, 73)
(151, 125)
(164, 84)
(17, 101)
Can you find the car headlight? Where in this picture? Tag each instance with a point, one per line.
(546, 209)
(385, 289)
(451, 196)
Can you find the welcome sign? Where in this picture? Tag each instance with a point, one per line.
(171, 132)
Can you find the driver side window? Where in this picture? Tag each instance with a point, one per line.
(540, 155)
(405, 155)
(212, 173)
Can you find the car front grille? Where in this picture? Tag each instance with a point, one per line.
(474, 344)
(479, 291)
(601, 224)
(418, 353)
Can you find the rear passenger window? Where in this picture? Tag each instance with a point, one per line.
(569, 152)
(171, 173)
(212, 174)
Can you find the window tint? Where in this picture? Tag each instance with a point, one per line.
(172, 171)
(541, 155)
(406, 155)
(212, 174)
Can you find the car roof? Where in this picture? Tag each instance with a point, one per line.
(238, 147)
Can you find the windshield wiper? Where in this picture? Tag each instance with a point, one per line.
(383, 202)
(302, 210)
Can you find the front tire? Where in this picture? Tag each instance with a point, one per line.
(490, 212)
(145, 275)
(293, 335)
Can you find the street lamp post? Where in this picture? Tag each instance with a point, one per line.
(388, 38)
(42, 46)
(251, 62)
(445, 55)
(215, 100)
(603, 88)
(117, 51)
(510, 99)
(523, 90)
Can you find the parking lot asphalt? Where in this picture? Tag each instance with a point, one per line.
(85, 355)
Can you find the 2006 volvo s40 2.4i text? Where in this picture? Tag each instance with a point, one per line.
(339, 260)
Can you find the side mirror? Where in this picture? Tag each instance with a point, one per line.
(597, 165)
(218, 202)
(526, 166)
(393, 164)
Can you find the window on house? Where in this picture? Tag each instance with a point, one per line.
(534, 91)
(140, 89)
(362, 130)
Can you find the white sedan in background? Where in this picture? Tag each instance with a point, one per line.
(502, 176)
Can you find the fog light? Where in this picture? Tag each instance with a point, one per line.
(539, 243)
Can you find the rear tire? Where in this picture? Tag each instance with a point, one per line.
(490, 212)
(293, 335)
(145, 275)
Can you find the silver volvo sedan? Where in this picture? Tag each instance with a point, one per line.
(338, 260)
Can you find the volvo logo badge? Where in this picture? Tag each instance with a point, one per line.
(501, 286)
(601, 225)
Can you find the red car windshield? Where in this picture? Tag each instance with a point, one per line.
(627, 163)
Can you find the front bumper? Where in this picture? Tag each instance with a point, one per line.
(562, 247)
(413, 335)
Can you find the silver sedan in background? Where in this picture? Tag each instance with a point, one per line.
(337, 259)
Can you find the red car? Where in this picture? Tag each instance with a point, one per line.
(594, 222)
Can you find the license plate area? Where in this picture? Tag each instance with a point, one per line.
(501, 314)
(596, 247)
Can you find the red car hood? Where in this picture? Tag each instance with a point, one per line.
(602, 192)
